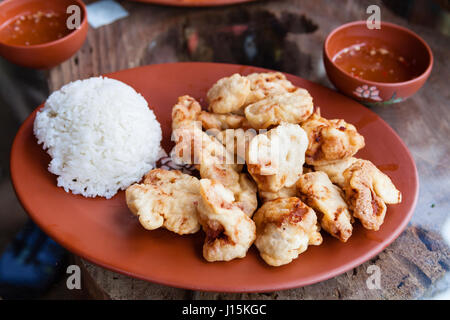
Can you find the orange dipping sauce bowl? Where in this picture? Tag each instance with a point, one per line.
(376, 66)
(34, 33)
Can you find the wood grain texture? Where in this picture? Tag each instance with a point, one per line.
(288, 35)
(409, 267)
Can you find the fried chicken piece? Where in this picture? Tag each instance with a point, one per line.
(326, 199)
(237, 141)
(215, 162)
(335, 170)
(330, 140)
(275, 158)
(166, 199)
(185, 112)
(222, 121)
(229, 231)
(266, 84)
(210, 157)
(245, 194)
(228, 94)
(284, 229)
(232, 94)
(366, 205)
(193, 146)
(383, 185)
(243, 188)
(367, 189)
(292, 107)
(286, 192)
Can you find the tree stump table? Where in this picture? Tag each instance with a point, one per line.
(288, 36)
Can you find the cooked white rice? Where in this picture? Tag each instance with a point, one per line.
(101, 136)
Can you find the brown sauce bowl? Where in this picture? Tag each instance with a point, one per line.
(399, 39)
(49, 54)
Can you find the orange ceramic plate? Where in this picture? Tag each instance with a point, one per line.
(194, 3)
(106, 233)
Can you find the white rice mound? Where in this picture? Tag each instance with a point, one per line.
(101, 136)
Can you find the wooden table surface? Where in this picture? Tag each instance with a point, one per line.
(288, 36)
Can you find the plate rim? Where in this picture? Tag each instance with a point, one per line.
(284, 285)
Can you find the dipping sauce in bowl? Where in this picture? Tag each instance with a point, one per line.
(376, 66)
(35, 33)
(374, 60)
(34, 28)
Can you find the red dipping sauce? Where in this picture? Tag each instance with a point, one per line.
(373, 60)
(34, 28)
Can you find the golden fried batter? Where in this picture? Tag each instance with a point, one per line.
(284, 229)
(185, 112)
(285, 192)
(335, 170)
(166, 199)
(237, 141)
(229, 231)
(215, 162)
(330, 140)
(383, 185)
(245, 194)
(275, 158)
(367, 190)
(325, 198)
(193, 146)
(243, 188)
(292, 107)
(224, 200)
(228, 94)
(222, 121)
(263, 85)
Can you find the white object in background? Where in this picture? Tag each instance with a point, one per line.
(446, 231)
(104, 12)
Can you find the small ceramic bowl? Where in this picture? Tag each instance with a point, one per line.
(400, 40)
(49, 54)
